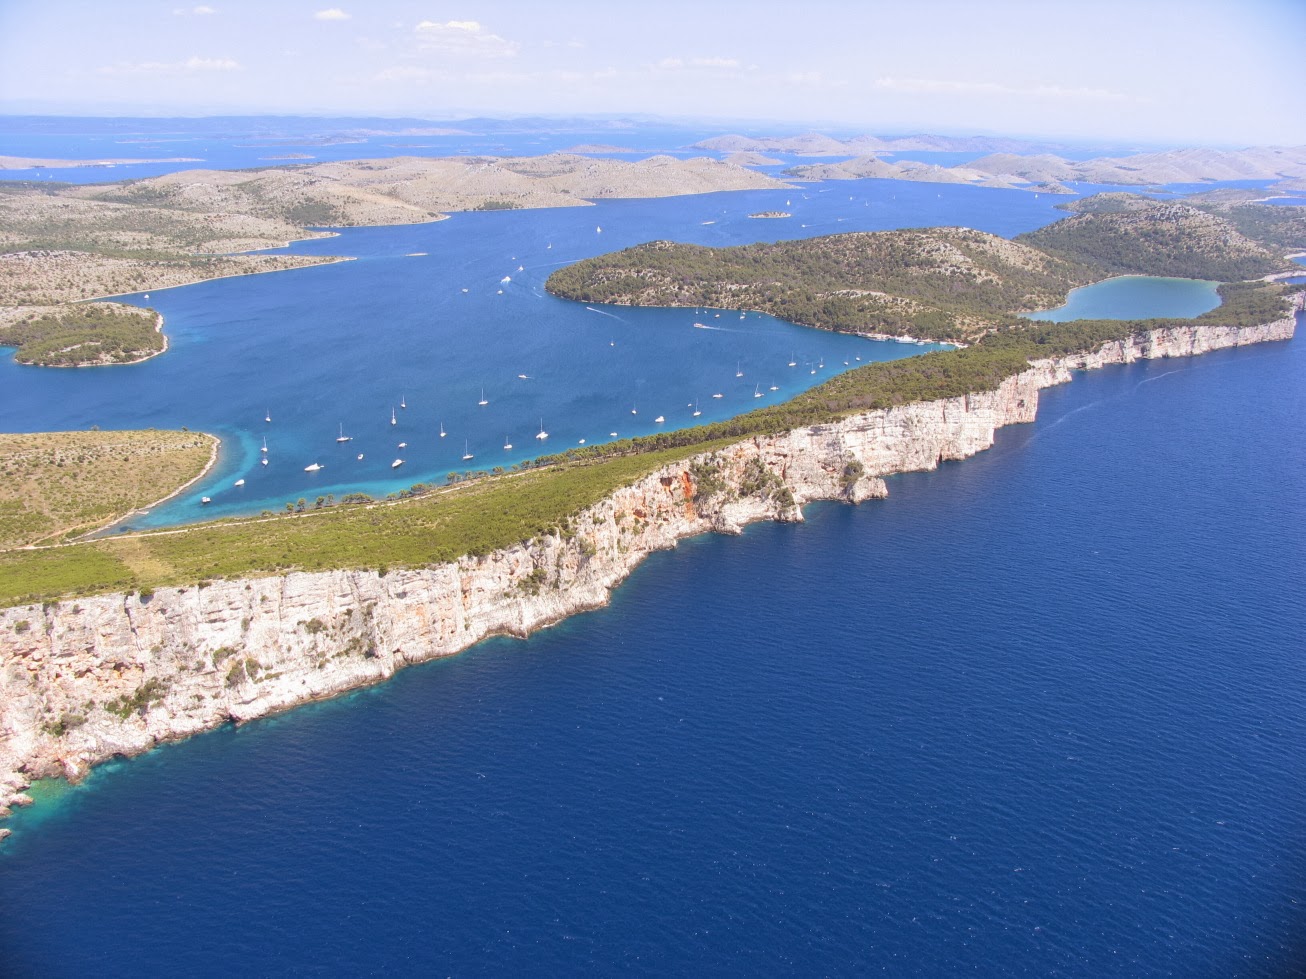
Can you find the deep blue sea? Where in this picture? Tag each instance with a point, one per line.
(1040, 713)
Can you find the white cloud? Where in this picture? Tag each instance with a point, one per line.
(191, 64)
(200, 11)
(463, 37)
(331, 13)
(937, 86)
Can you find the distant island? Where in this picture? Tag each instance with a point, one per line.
(65, 243)
(32, 163)
(771, 214)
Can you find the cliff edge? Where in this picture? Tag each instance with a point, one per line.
(82, 681)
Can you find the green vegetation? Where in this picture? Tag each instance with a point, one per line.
(938, 283)
(85, 334)
(147, 694)
(55, 485)
(1124, 233)
(497, 205)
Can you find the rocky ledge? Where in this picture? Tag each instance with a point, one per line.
(110, 675)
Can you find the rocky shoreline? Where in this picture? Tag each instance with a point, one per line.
(83, 681)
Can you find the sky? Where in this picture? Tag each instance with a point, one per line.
(1223, 73)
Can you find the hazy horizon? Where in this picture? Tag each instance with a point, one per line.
(1164, 73)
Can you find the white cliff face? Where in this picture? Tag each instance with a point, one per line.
(84, 680)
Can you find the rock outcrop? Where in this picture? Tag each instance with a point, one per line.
(82, 681)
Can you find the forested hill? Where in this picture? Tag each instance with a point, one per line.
(942, 283)
(938, 283)
(1125, 233)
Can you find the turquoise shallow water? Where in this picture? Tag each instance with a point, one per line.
(342, 345)
(1135, 297)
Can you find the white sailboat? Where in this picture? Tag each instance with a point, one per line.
(343, 437)
(265, 443)
(696, 411)
(443, 433)
(718, 395)
(403, 401)
(403, 445)
(267, 415)
(543, 434)
(483, 402)
(659, 419)
(467, 452)
(739, 371)
(757, 390)
(792, 362)
(396, 464)
(313, 467)
(507, 446)
(393, 420)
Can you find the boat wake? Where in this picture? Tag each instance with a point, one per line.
(603, 312)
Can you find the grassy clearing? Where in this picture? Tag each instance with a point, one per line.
(54, 485)
(473, 518)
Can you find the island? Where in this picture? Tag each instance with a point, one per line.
(947, 284)
(64, 243)
(771, 214)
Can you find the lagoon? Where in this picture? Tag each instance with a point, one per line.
(1127, 297)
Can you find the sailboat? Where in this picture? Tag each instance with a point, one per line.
(267, 415)
(343, 437)
(659, 419)
(543, 434)
(738, 370)
(792, 362)
(393, 420)
(507, 446)
(313, 467)
(467, 453)
(482, 402)
(403, 401)
(443, 433)
(634, 410)
(403, 445)
(396, 464)
(696, 411)
(265, 443)
(598, 230)
(718, 395)
(757, 390)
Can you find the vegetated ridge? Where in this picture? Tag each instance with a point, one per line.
(935, 283)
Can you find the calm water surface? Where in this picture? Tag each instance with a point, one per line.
(1042, 712)
(1135, 297)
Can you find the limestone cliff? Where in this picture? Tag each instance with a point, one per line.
(83, 681)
